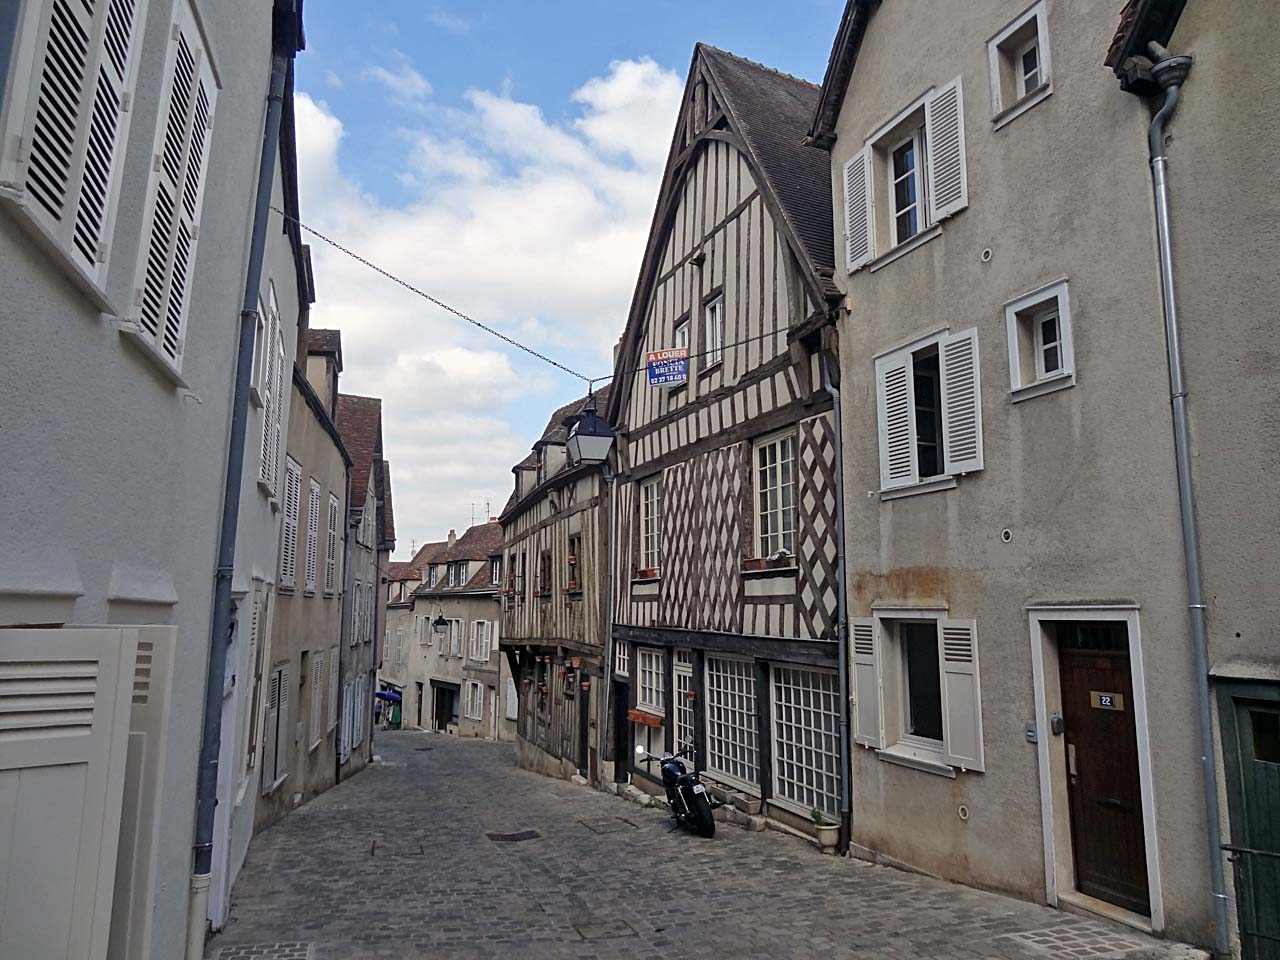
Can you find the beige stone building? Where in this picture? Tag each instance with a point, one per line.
(442, 640)
(297, 664)
(1026, 685)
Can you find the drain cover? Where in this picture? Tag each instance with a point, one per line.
(423, 749)
(514, 837)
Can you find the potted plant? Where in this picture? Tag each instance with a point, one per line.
(828, 830)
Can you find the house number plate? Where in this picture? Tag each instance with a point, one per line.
(1106, 701)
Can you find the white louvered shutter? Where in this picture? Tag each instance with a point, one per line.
(859, 210)
(282, 727)
(171, 222)
(313, 534)
(333, 686)
(868, 715)
(961, 403)
(513, 700)
(331, 547)
(279, 394)
(896, 419)
(961, 694)
(66, 124)
(475, 639)
(266, 466)
(344, 734)
(289, 528)
(944, 151)
(317, 696)
(270, 736)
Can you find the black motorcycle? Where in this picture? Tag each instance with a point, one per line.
(685, 793)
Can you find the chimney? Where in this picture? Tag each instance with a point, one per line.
(453, 536)
(493, 519)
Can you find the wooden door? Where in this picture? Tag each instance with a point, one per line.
(64, 736)
(1104, 792)
(1251, 749)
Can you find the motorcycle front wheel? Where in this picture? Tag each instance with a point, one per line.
(703, 821)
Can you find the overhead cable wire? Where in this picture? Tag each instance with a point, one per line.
(589, 381)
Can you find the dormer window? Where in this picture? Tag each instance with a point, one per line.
(435, 575)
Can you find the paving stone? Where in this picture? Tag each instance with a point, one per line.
(397, 864)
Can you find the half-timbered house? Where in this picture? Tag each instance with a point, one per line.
(725, 554)
(553, 598)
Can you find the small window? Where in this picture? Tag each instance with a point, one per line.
(474, 707)
(434, 575)
(929, 407)
(921, 686)
(480, 641)
(495, 570)
(775, 476)
(1266, 735)
(1038, 325)
(1019, 63)
(651, 525)
(713, 324)
(651, 693)
(573, 576)
(680, 341)
(622, 659)
(545, 584)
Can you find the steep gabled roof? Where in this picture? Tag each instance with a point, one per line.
(766, 113)
(478, 543)
(835, 83)
(326, 343)
(771, 111)
(360, 423)
(557, 431)
(386, 515)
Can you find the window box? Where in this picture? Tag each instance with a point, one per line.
(784, 563)
(643, 718)
(647, 573)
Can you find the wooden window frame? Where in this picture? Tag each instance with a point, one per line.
(806, 738)
(758, 512)
(720, 719)
(713, 320)
(915, 139)
(651, 688)
(649, 501)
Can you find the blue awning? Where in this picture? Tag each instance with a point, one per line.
(388, 695)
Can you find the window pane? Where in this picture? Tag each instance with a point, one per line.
(806, 750)
(1052, 359)
(1049, 329)
(731, 719)
(904, 159)
(923, 688)
(1266, 735)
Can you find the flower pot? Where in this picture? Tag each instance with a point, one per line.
(828, 836)
(755, 563)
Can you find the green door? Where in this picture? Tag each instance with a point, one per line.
(1251, 748)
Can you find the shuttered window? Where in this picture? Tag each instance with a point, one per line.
(475, 700)
(929, 410)
(289, 532)
(480, 640)
(331, 548)
(347, 716)
(908, 176)
(275, 734)
(806, 738)
(313, 535)
(928, 669)
(317, 699)
(66, 120)
(333, 686)
(513, 700)
(171, 214)
(267, 463)
(651, 694)
(732, 750)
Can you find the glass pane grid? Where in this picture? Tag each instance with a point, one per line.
(776, 511)
(652, 690)
(684, 706)
(806, 738)
(731, 719)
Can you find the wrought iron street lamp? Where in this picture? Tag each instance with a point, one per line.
(590, 438)
(440, 625)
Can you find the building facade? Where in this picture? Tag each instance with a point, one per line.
(371, 539)
(123, 244)
(442, 641)
(724, 547)
(296, 675)
(1021, 649)
(553, 600)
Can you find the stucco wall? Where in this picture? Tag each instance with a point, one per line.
(110, 485)
(1082, 478)
(308, 623)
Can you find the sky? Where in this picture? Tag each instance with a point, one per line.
(505, 158)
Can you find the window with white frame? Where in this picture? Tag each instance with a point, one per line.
(1041, 357)
(775, 490)
(621, 658)
(289, 528)
(317, 699)
(480, 640)
(806, 738)
(331, 548)
(66, 123)
(1018, 57)
(680, 340)
(333, 687)
(917, 690)
(651, 692)
(455, 637)
(272, 391)
(713, 335)
(929, 410)
(474, 700)
(651, 524)
(495, 569)
(313, 535)
(732, 749)
(434, 575)
(916, 161)
(682, 670)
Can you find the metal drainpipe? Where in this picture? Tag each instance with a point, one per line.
(842, 621)
(211, 736)
(606, 668)
(1170, 71)
(344, 627)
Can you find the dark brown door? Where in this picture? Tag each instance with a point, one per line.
(1104, 793)
(419, 706)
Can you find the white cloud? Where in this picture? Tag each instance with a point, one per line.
(401, 79)
(333, 80)
(448, 22)
(532, 226)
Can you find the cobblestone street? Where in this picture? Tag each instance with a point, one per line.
(398, 863)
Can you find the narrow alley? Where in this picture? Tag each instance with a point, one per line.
(408, 860)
